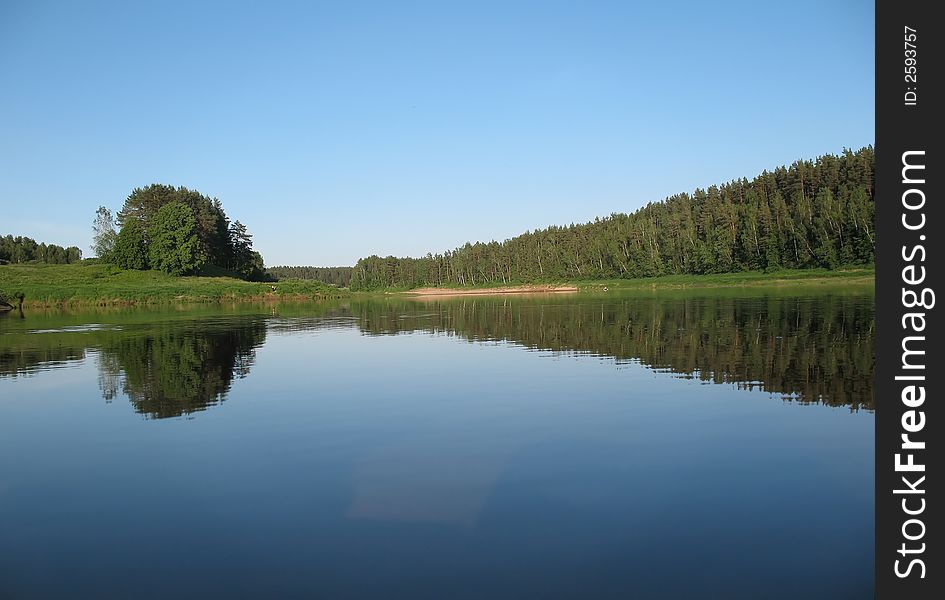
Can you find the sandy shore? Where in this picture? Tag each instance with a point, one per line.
(511, 289)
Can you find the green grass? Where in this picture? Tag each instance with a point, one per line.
(96, 284)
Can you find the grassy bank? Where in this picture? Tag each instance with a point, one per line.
(860, 276)
(86, 284)
(89, 284)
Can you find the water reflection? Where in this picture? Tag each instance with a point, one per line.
(168, 368)
(809, 349)
(172, 370)
(406, 483)
(804, 348)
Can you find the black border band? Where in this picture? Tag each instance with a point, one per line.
(909, 267)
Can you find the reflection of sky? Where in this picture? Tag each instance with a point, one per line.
(412, 482)
(441, 430)
(344, 451)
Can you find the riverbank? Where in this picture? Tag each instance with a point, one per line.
(788, 278)
(95, 284)
(508, 289)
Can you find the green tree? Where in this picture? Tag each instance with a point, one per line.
(174, 246)
(241, 246)
(130, 249)
(103, 233)
(144, 204)
(243, 259)
(219, 243)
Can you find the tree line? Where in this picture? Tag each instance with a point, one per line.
(19, 249)
(812, 214)
(337, 276)
(175, 230)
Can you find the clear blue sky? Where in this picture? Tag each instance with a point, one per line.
(336, 130)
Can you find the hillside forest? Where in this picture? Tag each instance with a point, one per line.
(812, 214)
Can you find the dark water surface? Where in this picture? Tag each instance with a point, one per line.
(673, 445)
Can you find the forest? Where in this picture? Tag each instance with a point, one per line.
(19, 249)
(337, 276)
(815, 213)
(178, 231)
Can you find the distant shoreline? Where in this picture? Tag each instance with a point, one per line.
(860, 276)
(507, 289)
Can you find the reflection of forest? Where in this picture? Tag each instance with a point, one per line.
(166, 368)
(172, 370)
(811, 349)
(16, 360)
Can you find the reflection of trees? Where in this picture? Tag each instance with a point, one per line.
(167, 368)
(172, 370)
(817, 349)
(20, 361)
(811, 349)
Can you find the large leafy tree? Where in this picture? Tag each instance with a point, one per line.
(212, 225)
(130, 249)
(174, 245)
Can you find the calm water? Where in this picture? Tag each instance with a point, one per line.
(642, 446)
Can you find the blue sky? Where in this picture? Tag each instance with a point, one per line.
(336, 130)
